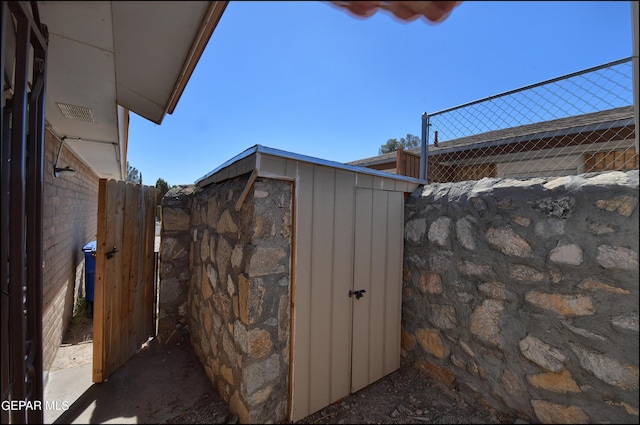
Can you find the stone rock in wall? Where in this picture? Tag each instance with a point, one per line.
(206, 286)
(223, 257)
(522, 221)
(222, 305)
(442, 316)
(496, 290)
(415, 229)
(567, 254)
(204, 246)
(611, 178)
(555, 207)
(439, 373)
(172, 249)
(284, 308)
(580, 331)
(611, 257)
(171, 291)
(212, 213)
(259, 343)
(563, 305)
(175, 219)
(239, 408)
(226, 223)
(430, 341)
(229, 348)
(558, 382)
(484, 322)
(509, 242)
(525, 273)
(267, 261)
(407, 341)
(628, 322)
(470, 268)
(607, 369)
(595, 285)
(240, 336)
(430, 283)
(551, 413)
(251, 293)
(624, 205)
(212, 276)
(542, 354)
(236, 256)
(602, 229)
(258, 375)
(550, 228)
(439, 231)
(464, 233)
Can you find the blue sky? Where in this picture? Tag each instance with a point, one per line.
(310, 79)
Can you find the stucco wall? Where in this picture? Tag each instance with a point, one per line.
(237, 304)
(524, 294)
(70, 216)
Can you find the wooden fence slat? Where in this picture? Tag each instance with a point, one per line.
(115, 263)
(129, 265)
(151, 292)
(135, 305)
(99, 320)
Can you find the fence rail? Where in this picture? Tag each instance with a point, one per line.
(577, 123)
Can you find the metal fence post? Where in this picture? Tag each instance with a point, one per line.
(424, 151)
(636, 67)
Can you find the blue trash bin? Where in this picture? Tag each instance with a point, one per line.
(89, 273)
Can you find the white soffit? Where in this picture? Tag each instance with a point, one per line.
(131, 53)
(80, 64)
(101, 157)
(152, 43)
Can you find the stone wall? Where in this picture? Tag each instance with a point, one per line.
(175, 246)
(230, 285)
(524, 294)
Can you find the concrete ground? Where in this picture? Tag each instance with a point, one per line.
(162, 381)
(157, 384)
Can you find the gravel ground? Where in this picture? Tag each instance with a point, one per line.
(406, 396)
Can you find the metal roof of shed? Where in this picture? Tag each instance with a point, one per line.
(226, 170)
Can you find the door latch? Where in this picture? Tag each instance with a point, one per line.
(111, 253)
(359, 294)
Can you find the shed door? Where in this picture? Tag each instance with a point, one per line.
(346, 239)
(378, 271)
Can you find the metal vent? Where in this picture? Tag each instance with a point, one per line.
(74, 112)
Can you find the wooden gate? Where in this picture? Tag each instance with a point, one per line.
(124, 291)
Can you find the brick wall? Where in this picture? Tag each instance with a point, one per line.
(70, 213)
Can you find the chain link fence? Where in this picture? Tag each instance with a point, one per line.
(578, 123)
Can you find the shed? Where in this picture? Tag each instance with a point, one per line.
(345, 285)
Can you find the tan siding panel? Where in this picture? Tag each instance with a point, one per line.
(302, 297)
(342, 282)
(393, 296)
(292, 167)
(321, 291)
(376, 296)
(273, 164)
(364, 181)
(362, 280)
